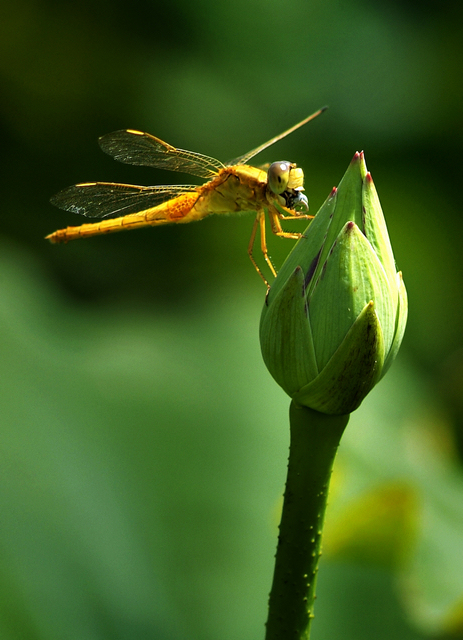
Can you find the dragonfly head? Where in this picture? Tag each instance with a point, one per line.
(286, 180)
(284, 176)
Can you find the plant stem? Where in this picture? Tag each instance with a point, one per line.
(314, 441)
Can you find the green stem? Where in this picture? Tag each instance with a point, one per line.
(314, 441)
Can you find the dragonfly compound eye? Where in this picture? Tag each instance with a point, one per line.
(278, 176)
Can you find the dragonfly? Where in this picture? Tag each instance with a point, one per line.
(234, 187)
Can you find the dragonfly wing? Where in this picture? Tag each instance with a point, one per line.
(136, 147)
(106, 199)
(247, 156)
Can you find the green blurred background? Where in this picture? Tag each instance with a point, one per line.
(143, 443)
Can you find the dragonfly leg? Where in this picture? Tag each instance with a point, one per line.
(304, 216)
(259, 222)
(275, 218)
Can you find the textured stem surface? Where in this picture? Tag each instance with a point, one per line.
(314, 441)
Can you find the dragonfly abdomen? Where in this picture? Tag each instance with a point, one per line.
(180, 209)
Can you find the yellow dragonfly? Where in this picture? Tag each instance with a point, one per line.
(235, 187)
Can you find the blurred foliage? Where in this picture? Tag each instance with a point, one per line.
(143, 442)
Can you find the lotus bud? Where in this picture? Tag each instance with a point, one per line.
(334, 317)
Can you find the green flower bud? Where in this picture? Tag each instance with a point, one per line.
(335, 315)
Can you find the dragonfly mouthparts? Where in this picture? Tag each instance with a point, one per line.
(296, 201)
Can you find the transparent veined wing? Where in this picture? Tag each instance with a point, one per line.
(143, 149)
(106, 199)
(250, 154)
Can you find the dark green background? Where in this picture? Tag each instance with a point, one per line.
(143, 442)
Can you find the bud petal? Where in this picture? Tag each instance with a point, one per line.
(375, 228)
(401, 322)
(286, 334)
(351, 277)
(353, 370)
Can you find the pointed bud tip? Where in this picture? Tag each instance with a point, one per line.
(358, 163)
(334, 191)
(368, 178)
(359, 156)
